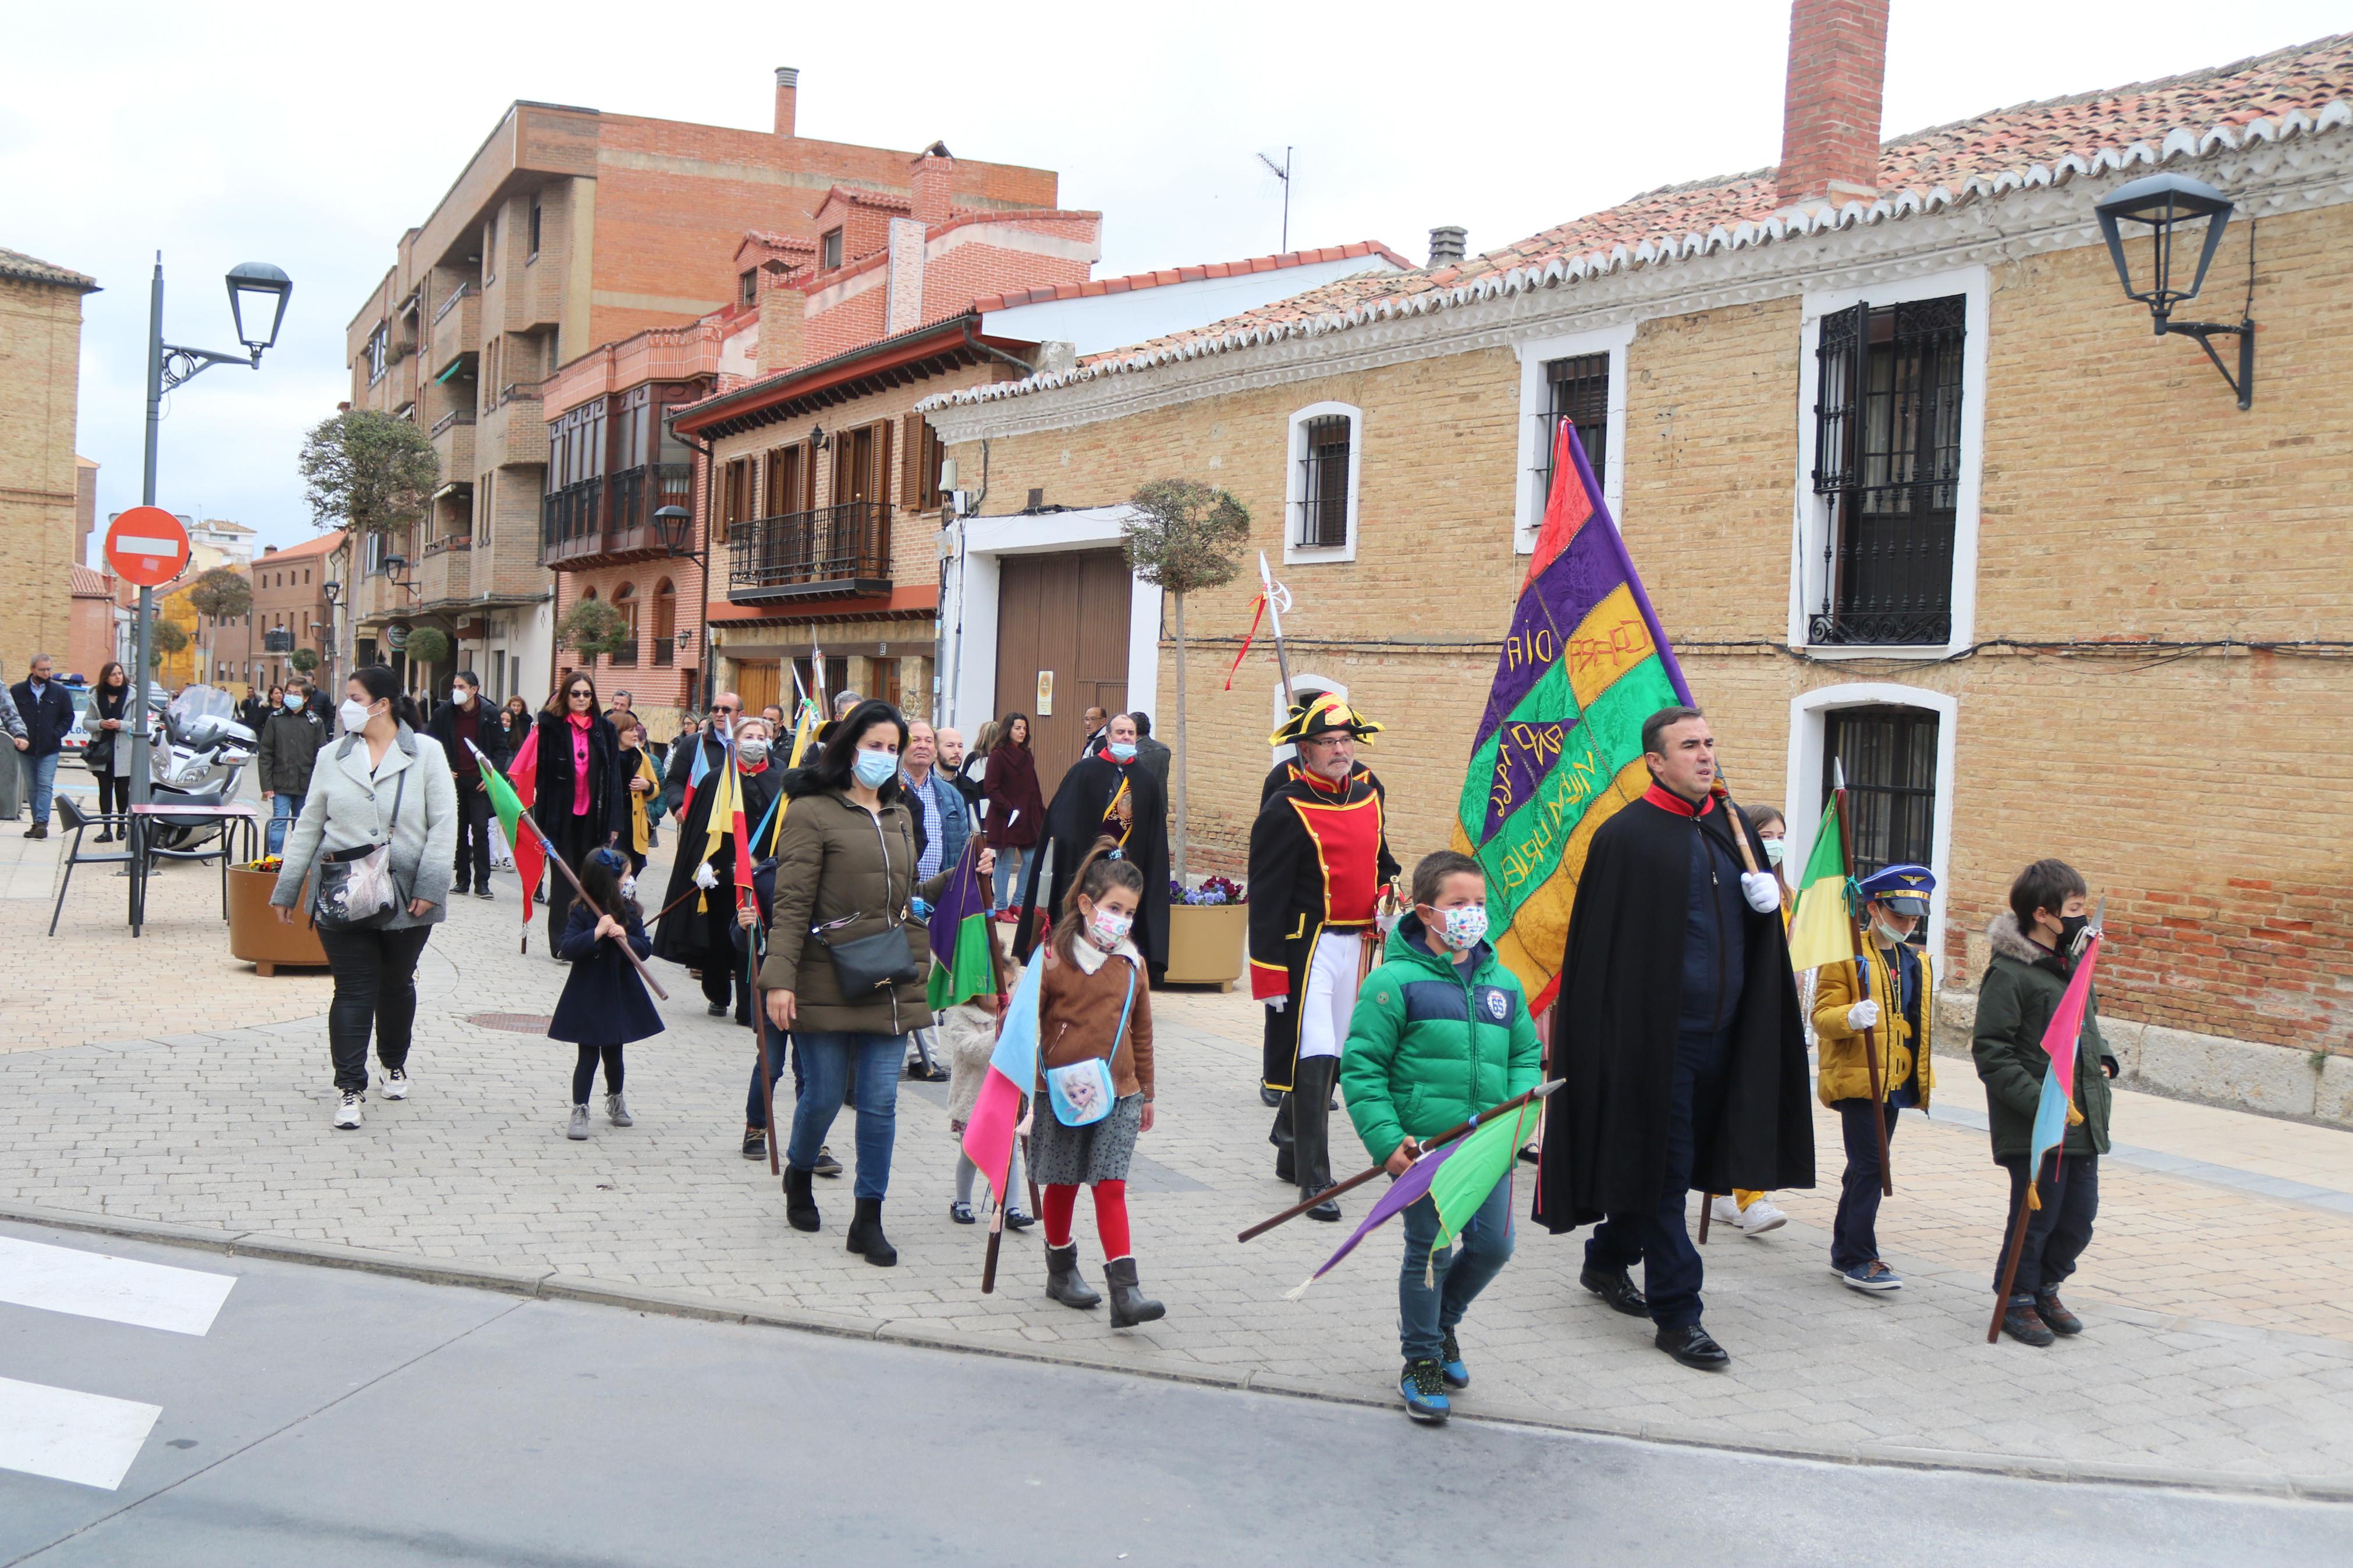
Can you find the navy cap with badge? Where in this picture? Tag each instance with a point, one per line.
(1905, 890)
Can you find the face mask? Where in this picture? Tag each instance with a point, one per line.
(459, 695)
(355, 716)
(1108, 928)
(1889, 934)
(1774, 849)
(1123, 752)
(1461, 927)
(628, 887)
(293, 700)
(2070, 928)
(754, 750)
(875, 769)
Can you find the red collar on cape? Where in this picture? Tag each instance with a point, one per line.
(1667, 800)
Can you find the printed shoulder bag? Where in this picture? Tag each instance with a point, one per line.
(1084, 1092)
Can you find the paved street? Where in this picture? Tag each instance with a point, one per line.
(2220, 1351)
(329, 1415)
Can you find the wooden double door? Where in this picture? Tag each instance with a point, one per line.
(1061, 626)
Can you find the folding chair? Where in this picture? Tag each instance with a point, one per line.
(76, 821)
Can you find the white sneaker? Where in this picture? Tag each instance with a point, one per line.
(395, 1084)
(1761, 1216)
(1726, 1211)
(347, 1115)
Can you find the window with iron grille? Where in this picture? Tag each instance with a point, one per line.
(1888, 459)
(1888, 755)
(1576, 390)
(1323, 483)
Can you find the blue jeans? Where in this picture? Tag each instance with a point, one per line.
(283, 810)
(1427, 1309)
(1660, 1238)
(40, 782)
(829, 1062)
(1011, 862)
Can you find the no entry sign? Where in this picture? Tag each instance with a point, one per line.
(146, 546)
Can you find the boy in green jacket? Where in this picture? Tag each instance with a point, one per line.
(2033, 956)
(1441, 1032)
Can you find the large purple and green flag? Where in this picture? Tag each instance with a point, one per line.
(961, 964)
(1456, 1176)
(1559, 749)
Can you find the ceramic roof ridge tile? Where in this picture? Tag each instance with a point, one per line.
(1194, 273)
(33, 269)
(2302, 89)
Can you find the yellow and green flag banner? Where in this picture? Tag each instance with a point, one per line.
(1822, 930)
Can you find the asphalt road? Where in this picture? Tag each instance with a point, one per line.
(320, 1416)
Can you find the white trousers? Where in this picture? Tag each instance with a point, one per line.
(1331, 994)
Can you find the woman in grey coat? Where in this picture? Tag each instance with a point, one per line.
(381, 783)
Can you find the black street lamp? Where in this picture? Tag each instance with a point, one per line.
(2168, 209)
(675, 524)
(260, 290)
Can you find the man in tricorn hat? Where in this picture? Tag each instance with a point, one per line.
(1895, 1004)
(1319, 859)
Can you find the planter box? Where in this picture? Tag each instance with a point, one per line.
(258, 936)
(1206, 943)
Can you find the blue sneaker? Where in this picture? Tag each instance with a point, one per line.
(1424, 1388)
(1871, 1276)
(1451, 1364)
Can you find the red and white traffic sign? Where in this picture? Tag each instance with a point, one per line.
(146, 546)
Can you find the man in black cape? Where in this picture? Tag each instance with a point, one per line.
(1106, 793)
(1678, 1031)
(699, 929)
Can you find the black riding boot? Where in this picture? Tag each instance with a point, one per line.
(1063, 1282)
(1311, 1116)
(866, 1235)
(1129, 1305)
(800, 1203)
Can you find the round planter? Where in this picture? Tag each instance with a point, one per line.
(1206, 943)
(256, 935)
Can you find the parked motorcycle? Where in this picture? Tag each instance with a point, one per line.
(198, 753)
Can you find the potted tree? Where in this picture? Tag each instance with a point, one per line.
(1186, 536)
(256, 935)
(427, 646)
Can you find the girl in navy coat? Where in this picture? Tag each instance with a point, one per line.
(605, 1005)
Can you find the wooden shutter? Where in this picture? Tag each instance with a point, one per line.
(882, 490)
(911, 462)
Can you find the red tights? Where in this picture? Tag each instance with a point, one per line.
(1061, 1205)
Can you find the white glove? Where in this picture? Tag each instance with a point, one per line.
(1763, 891)
(1277, 1003)
(1386, 921)
(704, 877)
(1862, 1015)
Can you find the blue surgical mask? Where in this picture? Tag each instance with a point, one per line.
(293, 700)
(875, 769)
(1123, 750)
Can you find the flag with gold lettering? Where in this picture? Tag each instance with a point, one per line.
(1559, 748)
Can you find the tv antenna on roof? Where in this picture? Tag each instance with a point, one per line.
(1281, 172)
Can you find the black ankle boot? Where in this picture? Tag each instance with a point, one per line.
(1129, 1305)
(1064, 1282)
(866, 1236)
(800, 1204)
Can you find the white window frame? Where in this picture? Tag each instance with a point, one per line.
(1810, 529)
(1809, 720)
(1536, 398)
(1294, 483)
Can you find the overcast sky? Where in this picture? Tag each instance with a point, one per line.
(311, 136)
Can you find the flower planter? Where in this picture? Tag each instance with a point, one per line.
(258, 936)
(1206, 942)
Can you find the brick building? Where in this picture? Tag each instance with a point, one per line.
(2071, 600)
(568, 230)
(90, 636)
(40, 485)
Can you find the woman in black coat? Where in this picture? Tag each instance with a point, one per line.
(571, 764)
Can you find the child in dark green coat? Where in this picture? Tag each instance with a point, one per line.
(1441, 1032)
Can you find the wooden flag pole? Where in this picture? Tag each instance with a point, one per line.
(547, 847)
(1862, 986)
(1361, 1177)
(2009, 1264)
(1707, 1208)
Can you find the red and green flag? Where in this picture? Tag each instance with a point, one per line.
(1559, 750)
(529, 860)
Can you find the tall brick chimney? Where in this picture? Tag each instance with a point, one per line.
(1830, 110)
(788, 87)
(929, 174)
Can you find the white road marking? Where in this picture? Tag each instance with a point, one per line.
(118, 1290)
(86, 1438)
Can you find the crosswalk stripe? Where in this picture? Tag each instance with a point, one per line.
(69, 1436)
(118, 1290)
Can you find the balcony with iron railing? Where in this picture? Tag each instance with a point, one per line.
(832, 551)
(445, 570)
(513, 429)
(453, 441)
(457, 330)
(607, 521)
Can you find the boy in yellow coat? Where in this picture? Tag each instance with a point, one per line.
(1896, 1005)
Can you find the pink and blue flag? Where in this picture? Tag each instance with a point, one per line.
(995, 1119)
(2060, 1042)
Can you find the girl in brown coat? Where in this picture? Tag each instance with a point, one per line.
(1094, 1004)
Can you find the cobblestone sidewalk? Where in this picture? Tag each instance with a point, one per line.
(2220, 1349)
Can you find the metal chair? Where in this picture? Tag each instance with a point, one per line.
(75, 820)
(222, 846)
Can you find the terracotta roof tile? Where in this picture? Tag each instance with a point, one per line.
(31, 269)
(2303, 90)
(1194, 273)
